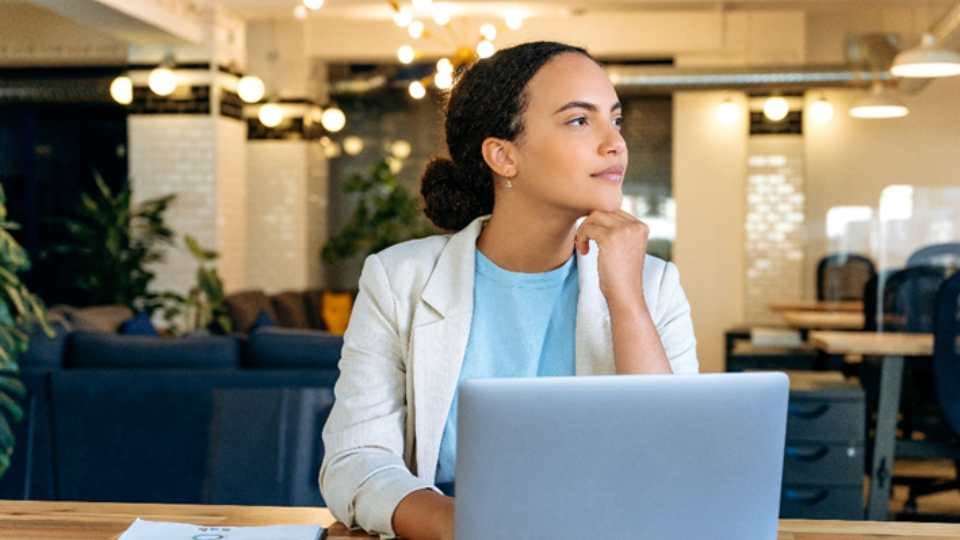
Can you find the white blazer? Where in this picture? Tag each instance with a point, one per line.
(401, 360)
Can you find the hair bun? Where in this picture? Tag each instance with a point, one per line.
(448, 200)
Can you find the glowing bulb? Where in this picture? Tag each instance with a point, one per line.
(121, 90)
(162, 81)
(403, 17)
(332, 150)
(353, 145)
(727, 112)
(513, 19)
(776, 108)
(400, 149)
(251, 88)
(313, 4)
(405, 54)
(395, 164)
(415, 29)
(440, 15)
(300, 12)
(444, 65)
(416, 89)
(821, 111)
(486, 49)
(333, 119)
(443, 80)
(270, 115)
(488, 31)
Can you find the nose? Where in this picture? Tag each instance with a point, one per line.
(613, 143)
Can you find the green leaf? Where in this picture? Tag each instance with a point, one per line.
(11, 407)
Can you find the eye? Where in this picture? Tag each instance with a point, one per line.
(578, 121)
(618, 121)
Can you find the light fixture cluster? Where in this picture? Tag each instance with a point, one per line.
(414, 17)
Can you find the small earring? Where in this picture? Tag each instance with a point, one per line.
(509, 184)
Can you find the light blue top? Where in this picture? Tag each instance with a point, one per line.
(524, 325)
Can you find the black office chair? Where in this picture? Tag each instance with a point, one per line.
(841, 276)
(946, 376)
(943, 255)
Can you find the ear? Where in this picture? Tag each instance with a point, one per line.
(501, 156)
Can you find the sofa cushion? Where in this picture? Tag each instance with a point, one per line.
(138, 325)
(244, 308)
(98, 350)
(43, 351)
(291, 309)
(286, 348)
(99, 318)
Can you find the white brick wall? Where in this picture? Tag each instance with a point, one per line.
(231, 205)
(286, 214)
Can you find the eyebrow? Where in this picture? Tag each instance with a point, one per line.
(585, 105)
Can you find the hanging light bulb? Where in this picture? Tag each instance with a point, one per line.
(926, 61)
(121, 90)
(821, 110)
(333, 119)
(352, 145)
(251, 88)
(405, 54)
(400, 149)
(415, 29)
(775, 108)
(313, 4)
(879, 104)
(300, 12)
(270, 115)
(417, 90)
(444, 65)
(513, 20)
(162, 80)
(443, 80)
(395, 165)
(486, 49)
(403, 17)
(728, 111)
(488, 31)
(332, 150)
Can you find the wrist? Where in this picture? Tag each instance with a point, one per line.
(628, 309)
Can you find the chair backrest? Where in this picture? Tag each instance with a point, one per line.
(946, 350)
(266, 446)
(944, 255)
(842, 276)
(907, 299)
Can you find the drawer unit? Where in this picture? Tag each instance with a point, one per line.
(823, 464)
(821, 502)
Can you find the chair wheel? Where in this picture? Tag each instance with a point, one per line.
(910, 506)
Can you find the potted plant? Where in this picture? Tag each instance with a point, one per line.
(20, 311)
(203, 307)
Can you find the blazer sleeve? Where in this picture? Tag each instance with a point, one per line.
(675, 324)
(363, 476)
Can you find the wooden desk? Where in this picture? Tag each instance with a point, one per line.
(824, 320)
(892, 348)
(816, 305)
(41, 520)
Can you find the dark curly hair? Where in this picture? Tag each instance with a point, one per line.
(488, 100)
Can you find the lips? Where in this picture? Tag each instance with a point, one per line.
(613, 174)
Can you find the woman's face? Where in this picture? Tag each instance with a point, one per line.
(571, 154)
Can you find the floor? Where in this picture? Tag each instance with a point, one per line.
(942, 503)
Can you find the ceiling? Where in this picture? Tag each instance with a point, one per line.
(379, 9)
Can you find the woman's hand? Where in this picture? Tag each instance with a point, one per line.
(622, 239)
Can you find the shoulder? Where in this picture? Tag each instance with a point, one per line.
(422, 252)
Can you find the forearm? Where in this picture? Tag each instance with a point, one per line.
(637, 348)
(424, 515)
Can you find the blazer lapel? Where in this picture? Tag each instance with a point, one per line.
(594, 342)
(441, 328)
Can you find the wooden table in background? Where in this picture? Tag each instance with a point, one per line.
(892, 348)
(42, 520)
(816, 305)
(824, 320)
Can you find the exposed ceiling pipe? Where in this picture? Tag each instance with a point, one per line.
(665, 80)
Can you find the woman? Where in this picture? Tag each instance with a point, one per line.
(525, 287)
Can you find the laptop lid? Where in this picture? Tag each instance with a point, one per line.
(651, 456)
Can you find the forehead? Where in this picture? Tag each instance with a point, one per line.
(569, 77)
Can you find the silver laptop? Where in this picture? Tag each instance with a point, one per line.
(621, 457)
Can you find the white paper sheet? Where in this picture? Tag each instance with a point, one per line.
(161, 530)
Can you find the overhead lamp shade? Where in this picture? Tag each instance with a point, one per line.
(121, 90)
(251, 88)
(879, 105)
(270, 115)
(162, 81)
(926, 61)
(333, 119)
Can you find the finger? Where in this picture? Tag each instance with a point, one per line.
(592, 231)
(627, 215)
(606, 219)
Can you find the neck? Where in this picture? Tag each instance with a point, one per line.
(528, 238)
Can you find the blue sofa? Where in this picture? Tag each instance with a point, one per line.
(146, 419)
